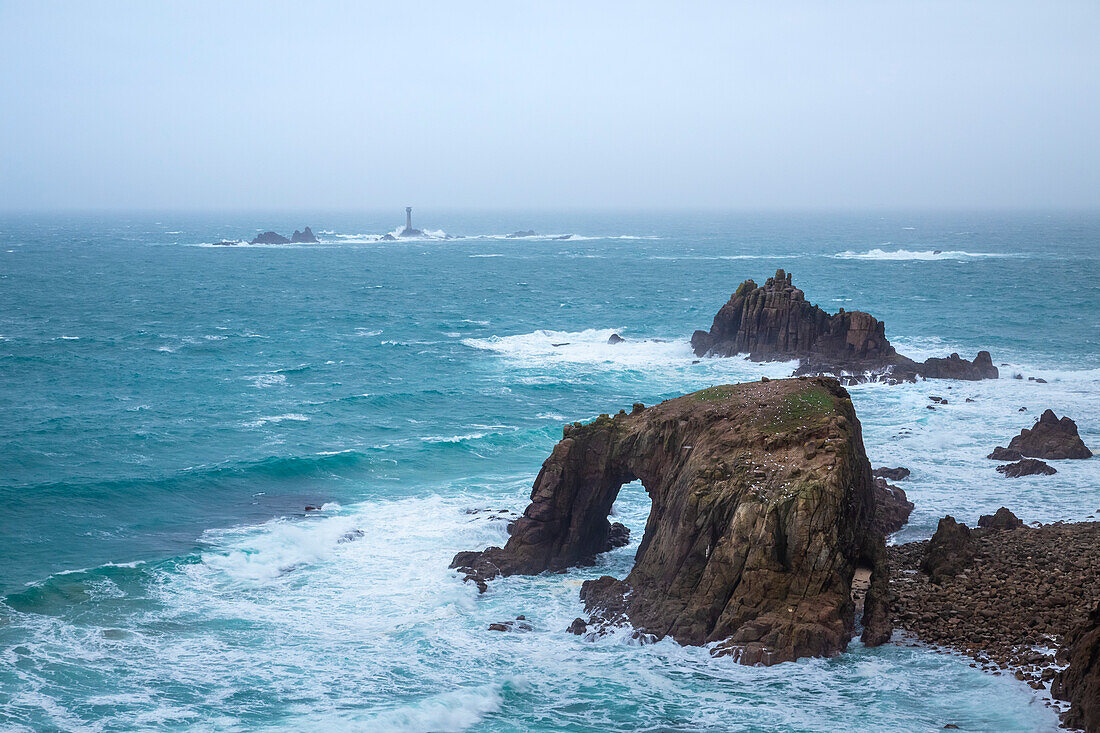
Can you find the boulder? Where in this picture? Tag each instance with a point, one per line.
(1026, 467)
(775, 322)
(892, 507)
(950, 550)
(891, 474)
(1051, 438)
(615, 339)
(270, 238)
(762, 509)
(1000, 453)
(305, 237)
(1002, 519)
(1079, 683)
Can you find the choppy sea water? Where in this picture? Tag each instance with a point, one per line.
(170, 407)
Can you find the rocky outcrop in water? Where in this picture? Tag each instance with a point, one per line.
(1026, 467)
(270, 238)
(1079, 684)
(891, 474)
(762, 510)
(892, 507)
(521, 234)
(1000, 453)
(306, 237)
(1050, 438)
(775, 322)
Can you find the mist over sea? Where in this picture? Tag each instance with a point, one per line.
(169, 407)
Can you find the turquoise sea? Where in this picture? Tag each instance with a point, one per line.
(168, 409)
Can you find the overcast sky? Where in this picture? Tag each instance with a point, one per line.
(326, 105)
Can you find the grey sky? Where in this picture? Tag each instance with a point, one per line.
(514, 104)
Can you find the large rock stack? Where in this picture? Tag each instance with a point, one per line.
(776, 323)
(762, 509)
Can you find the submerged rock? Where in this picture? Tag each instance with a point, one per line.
(762, 509)
(270, 238)
(1026, 467)
(520, 234)
(775, 322)
(305, 237)
(1051, 438)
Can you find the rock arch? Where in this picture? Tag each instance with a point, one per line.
(762, 507)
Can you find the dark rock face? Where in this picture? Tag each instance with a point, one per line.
(270, 238)
(305, 237)
(615, 339)
(1079, 684)
(1002, 519)
(762, 509)
(1026, 467)
(955, 367)
(949, 551)
(1000, 453)
(1051, 438)
(892, 508)
(891, 474)
(776, 323)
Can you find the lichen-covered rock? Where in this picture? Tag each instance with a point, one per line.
(1051, 438)
(762, 509)
(1079, 683)
(950, 550)
(775, 322)
(1026, 467)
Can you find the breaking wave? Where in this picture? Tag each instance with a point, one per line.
(918, 255)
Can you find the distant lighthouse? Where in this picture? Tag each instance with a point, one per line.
(409, 231)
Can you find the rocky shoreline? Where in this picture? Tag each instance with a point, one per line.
(1013, 598)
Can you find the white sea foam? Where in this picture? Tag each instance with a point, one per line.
(356, 613)
(661, 358)
(453, 438)
(447, 712)
(261, 421)
(267, 380)
(923, 255)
